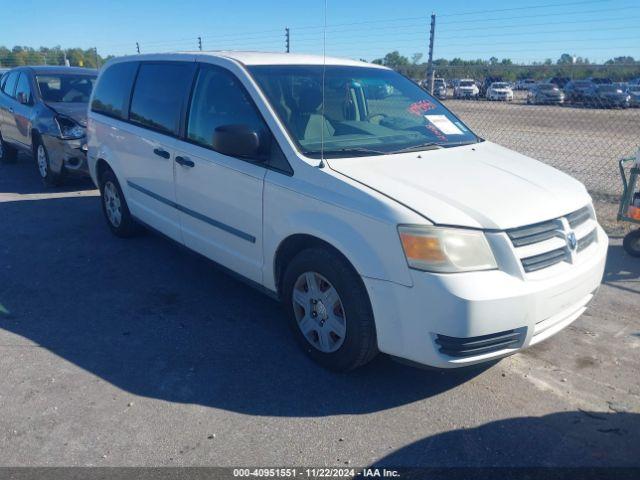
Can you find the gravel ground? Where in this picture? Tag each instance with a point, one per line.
(136, 352)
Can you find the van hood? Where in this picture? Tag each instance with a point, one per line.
(75, 111)
(482, 185)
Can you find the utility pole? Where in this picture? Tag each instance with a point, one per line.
(138, 47)
(287, 38)
(95, 51)
(430, 71)
(200, 43)
(66, 60)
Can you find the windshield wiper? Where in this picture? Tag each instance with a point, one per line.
(421, 146)
(355, 151)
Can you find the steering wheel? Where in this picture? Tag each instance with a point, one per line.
(371, 116)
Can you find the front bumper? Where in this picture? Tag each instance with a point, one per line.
(414, 322)
(70, 155)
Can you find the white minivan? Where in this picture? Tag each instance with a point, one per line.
(382, 222)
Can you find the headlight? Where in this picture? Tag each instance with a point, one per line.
(69, 129)
(446, 250)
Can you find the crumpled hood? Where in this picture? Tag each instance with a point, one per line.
(75, 111)
(482, 185)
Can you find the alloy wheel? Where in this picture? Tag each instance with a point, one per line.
(112, 204)
(319, 312)
(42, 161)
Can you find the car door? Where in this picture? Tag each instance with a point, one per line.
(147, 148)
(220, 197)
(9, 128)
(23, 108)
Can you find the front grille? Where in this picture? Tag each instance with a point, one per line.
(471, 346)
(541, 245)
(578, 217)
(536, 233)
(587, 241)
(544, 260)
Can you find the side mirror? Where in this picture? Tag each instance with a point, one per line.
(240, 141)
(22, 98)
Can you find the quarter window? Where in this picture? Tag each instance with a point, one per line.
(159, 93)
(219, 99)
(112, 93)
(10, 83)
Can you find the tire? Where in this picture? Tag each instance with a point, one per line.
(8, 154)
(631, 243)
(340, 336)
(115, 208)
(41, 157)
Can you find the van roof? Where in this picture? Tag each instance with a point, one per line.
(257, 58)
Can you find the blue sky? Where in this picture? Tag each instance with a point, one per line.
(523, 31)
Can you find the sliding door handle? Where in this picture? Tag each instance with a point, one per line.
(185, 162)
(161, 153)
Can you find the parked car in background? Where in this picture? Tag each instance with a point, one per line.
(500, 91)
(634, 95)
(486, 83)
(560, 82)
(440, 88)
(525, 84)
(579, 91)
(610, 96)
(43, 112)
(600, 80)
(466, 88)
(351, 213)
(545, 93)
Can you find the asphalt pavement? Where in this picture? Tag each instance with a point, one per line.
(137, 352)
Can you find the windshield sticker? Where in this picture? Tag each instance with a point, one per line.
(418, 108)
(442, 123)
(441, 136)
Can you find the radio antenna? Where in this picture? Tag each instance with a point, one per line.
(324, 68)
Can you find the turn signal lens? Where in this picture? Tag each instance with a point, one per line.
(446, 250)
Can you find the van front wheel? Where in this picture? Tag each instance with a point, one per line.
(329, 310)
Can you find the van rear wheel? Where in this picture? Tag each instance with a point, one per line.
(329, 310)
(115, 208)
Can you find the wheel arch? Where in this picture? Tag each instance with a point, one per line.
(101, 167)
(292, 246)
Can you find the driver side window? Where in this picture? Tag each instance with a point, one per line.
(218, 99)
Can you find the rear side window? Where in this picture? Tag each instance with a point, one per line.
(114, 89)
(159, 94)
(10, 83)
(219, 99)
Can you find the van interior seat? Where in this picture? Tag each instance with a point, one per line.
(307, 122)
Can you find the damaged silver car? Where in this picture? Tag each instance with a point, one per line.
(43, 112)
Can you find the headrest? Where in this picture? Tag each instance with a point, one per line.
(310, 100)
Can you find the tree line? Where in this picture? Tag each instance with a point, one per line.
(76, 57)
(618, 68)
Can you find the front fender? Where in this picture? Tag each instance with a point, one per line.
(372, 246)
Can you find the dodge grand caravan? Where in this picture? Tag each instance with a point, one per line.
(382, 222)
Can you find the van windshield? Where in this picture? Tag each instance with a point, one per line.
(367, 111)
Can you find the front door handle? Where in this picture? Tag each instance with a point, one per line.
(161, 153)
(185, 162)
(11, 109)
